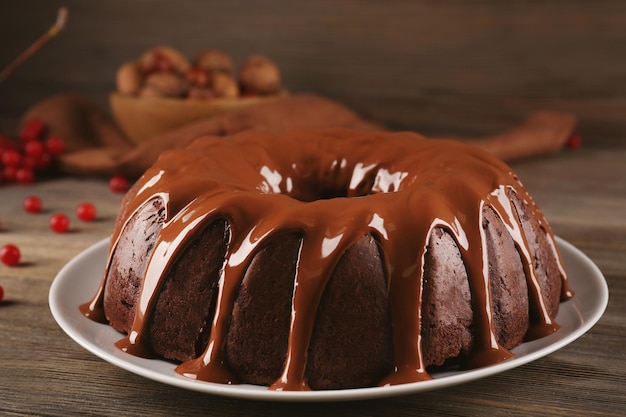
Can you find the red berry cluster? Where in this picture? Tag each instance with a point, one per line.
(35, 151)
(20, 161)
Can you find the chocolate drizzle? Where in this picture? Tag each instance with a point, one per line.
(332, 188)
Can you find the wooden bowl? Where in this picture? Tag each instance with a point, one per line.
(143, 118)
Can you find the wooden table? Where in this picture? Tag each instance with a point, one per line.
(43, 372)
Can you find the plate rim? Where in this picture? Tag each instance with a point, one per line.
(70, 324)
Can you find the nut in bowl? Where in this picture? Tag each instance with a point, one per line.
(162, 90)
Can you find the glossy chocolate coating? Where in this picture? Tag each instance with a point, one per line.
(332, 188)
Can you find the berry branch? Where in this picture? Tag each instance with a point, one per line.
(28, 52)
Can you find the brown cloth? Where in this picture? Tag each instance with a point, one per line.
(95, 146)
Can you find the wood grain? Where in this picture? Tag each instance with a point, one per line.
(438, 67)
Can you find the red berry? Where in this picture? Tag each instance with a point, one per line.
(1, 293)
(59, 223)
(32, 130)
(11, 158)
(32, 204)
(33, 148)
(86, 212)
(55, 145)
(10, 255)
(574, 141)
(9, 173)
(24, 176)
(44, 161)
(118, 184)
(29, 162)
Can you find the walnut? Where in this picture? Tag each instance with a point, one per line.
(215, 60)
(163, 58)
(259, 75)
(165, 84)
(225, 86)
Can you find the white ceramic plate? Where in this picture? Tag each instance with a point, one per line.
(77, 282)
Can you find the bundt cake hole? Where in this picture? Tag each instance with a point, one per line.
(339, 181)
(308, 192)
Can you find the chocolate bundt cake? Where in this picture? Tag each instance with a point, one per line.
(328, 259)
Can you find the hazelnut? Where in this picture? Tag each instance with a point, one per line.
(163, 58)
(260, 75)
(128, 78)
(225, 86)
(167, 84)
(215, 60)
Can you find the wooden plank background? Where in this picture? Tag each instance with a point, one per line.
(436, 67)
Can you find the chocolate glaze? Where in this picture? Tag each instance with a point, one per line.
(332, 188)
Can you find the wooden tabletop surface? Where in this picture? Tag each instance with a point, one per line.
(435, 67)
